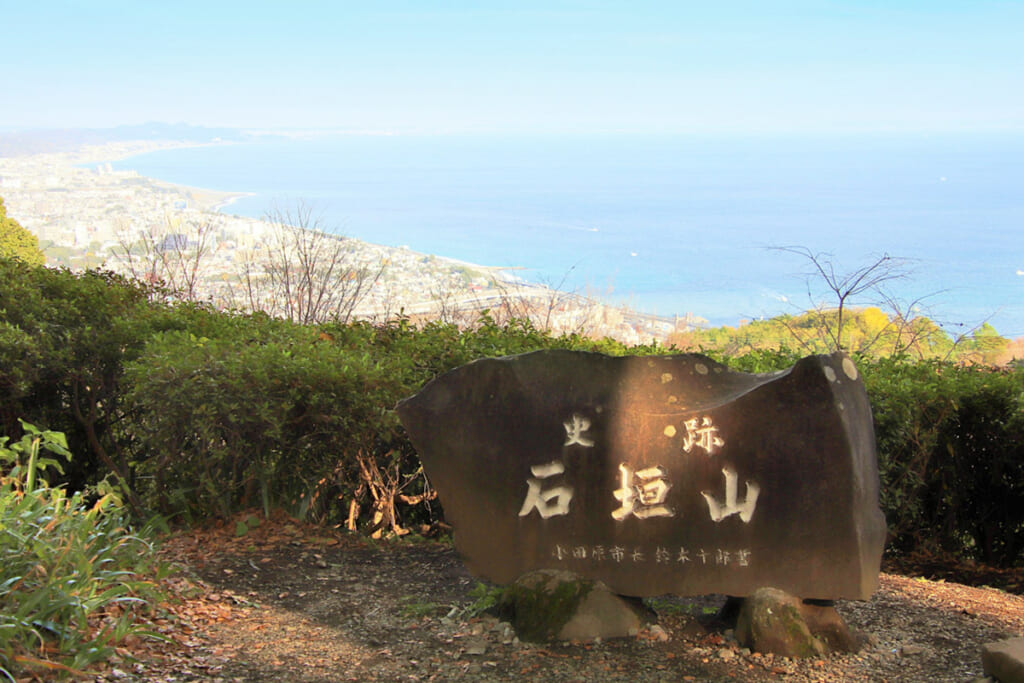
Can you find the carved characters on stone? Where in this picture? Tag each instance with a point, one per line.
(745, 510)
(574, 430)
(642, 493)
(700, 432)
(644, 497)
(554, 501)
(548, 502)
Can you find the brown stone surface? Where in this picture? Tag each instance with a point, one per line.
(1004, 660)
(657, 475)
(824, 622)
(603, 614)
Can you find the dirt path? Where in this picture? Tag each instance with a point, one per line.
(290, 603)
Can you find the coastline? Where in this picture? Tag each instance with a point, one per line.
(691, 231)
(215, 201)
(207, 199)
(85, 213)
(221, 203)
(121, 150)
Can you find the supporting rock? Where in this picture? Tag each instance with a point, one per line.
(1004, 661)
(773, 621)
(552, 605)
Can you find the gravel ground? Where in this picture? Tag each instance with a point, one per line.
(283, 603)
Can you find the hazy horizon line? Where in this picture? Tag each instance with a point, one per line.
(316, 131)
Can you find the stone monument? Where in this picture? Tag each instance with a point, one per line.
(657, 475)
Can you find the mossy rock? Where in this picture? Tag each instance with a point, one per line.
(774, 621)
(770, 621)
(550, 605)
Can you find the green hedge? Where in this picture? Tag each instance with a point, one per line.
(64, 339)
(264, 412)
(203, 413)
(951, 457)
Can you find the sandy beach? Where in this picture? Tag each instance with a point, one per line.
(206, 199)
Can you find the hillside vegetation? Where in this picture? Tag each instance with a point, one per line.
(17, 242)
(193, 413)
(867, 331)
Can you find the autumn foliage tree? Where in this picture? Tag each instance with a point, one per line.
(17, 242)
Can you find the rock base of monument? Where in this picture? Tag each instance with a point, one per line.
(553, 605)
(1004, 661)
(773, 621)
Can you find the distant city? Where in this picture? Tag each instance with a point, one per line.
(86, 214)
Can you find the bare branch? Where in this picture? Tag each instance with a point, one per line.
(306, 273)
(845, 289)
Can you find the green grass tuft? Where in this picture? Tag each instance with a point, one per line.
(74, 578)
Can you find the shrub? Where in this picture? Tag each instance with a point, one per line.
(978, 489)
(63, 340)
(951, 457)
(232, 422)
(204, 413)
(264, 412)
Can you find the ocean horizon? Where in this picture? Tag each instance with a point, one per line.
(669, 225)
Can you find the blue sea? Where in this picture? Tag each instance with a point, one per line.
(666, 225)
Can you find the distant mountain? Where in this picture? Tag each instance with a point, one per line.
(68, 139)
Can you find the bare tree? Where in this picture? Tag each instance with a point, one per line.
(911, 333)
(386, 304)
(550, 308)
(446, 305)
(905, 330)
(844, 289)
(138, 252)
(173, 253)
(305, 273)
(186, 255)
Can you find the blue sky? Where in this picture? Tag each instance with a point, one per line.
(553, 66)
